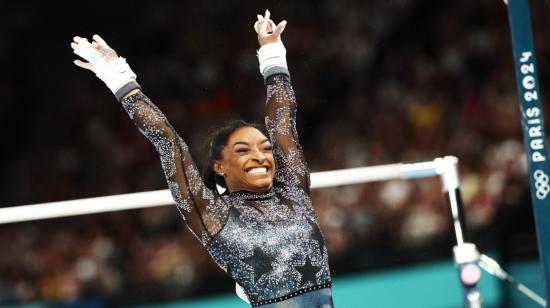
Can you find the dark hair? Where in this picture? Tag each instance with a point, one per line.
(217, 141)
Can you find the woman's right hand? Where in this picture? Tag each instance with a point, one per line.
(264, 28)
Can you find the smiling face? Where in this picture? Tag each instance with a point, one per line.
(247, 161)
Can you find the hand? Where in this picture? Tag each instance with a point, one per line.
(105, 63)
(98, 53)
(264, 27)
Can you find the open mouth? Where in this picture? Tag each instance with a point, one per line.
(257, 170)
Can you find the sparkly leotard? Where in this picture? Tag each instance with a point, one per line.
(268, 242)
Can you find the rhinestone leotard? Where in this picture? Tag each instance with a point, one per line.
(270, 242)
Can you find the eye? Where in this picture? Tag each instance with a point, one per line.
(268, 148)
(241, 150)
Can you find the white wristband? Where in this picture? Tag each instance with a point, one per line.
(271, 55)
(116, 74)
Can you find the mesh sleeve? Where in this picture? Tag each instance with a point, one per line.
(203, 212)
(280, 121)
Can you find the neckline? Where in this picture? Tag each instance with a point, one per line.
(249, 195)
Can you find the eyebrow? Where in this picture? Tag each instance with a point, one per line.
(246, 143)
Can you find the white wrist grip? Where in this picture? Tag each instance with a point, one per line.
(271, 55)
(116, 74)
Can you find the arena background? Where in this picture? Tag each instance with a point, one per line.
(377, 82)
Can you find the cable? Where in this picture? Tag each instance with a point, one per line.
(492, 267)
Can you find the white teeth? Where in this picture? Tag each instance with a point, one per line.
(254, 171)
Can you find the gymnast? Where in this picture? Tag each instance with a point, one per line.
(262, 230)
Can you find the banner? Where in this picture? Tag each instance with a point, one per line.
(534, 136)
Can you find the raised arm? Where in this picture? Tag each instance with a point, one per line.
(202, 212)
(281, 106)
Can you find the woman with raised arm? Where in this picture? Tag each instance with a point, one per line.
(262, 230)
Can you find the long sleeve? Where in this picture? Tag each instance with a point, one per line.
(280, 121)
(203, 212)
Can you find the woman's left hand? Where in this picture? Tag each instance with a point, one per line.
(264, 27)
(98, 53)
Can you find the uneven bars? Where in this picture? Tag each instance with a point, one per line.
(163, 197)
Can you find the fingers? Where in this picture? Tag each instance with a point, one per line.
(280, 28)
(100, 47)
(264, 22)
(268, 22)
(257, 23)
(84, 65)
(78, 39)
(270, 27)
(264, 25)
(82, 47)
(97, 50)
(100, 41)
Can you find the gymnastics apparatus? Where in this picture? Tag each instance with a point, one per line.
(468, 260)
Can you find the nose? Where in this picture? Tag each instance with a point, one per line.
(259, 155)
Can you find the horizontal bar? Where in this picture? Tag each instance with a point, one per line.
(355, 175)
(163, 197)
(85, 206)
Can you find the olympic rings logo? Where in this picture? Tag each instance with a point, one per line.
(542, 184)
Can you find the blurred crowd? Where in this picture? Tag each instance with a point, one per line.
(377, 82)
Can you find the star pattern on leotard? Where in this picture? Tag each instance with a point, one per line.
(308, 271)
(260, 263)
(317, 236)
(233, 212)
